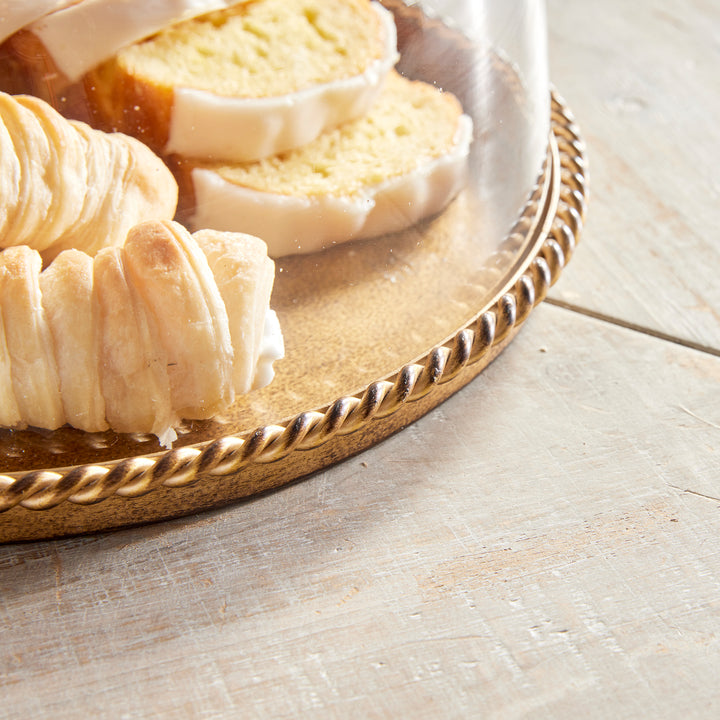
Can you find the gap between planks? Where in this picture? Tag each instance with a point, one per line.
(632, 326)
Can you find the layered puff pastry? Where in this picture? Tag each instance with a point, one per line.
(64, 185)
(168, 326)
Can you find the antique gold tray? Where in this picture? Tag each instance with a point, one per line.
(377, 334)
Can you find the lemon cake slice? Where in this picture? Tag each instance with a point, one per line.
(403, 161)
(249, 81)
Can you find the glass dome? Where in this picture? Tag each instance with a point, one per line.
(393, 310)
(500, 71)
(491, 54)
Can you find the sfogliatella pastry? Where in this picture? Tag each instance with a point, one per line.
(139, 337)
(65, 185)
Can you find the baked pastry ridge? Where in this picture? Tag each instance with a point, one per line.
(139, 337)
(67, 185)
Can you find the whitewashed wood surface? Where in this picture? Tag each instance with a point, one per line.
(644, 81)
(546, 544)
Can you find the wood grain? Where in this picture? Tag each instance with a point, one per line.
(542, 545)
(552, 553)
(642, 79)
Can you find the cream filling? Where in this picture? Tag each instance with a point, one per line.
(292, 225)
(82, 36)
(272, 348)
(206, 125)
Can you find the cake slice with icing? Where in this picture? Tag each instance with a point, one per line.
(249, 81)
(404, 161)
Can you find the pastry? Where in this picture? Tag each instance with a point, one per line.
(25, 211)
(66, 185)
(33, 367)
(244, 275)
(66, 288)
(133, 365)
(176, 285)
(9, 411)
(164, 328)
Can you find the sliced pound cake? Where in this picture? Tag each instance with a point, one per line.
(16, 14)
(250, 81)
(403, 161)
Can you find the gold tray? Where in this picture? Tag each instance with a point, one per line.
(377, 334)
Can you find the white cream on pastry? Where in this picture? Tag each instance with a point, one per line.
(272, 348)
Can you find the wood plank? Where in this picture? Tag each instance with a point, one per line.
(642, 79)
(544, 544)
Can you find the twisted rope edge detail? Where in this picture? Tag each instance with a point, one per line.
(133, 477)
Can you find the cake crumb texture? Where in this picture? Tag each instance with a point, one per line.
(260, 48)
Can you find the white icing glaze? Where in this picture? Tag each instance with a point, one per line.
(80, 37)
(272, 348)
(292, 225)
(206, 125)
(16, 14)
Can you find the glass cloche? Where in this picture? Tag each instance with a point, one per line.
(253, 238)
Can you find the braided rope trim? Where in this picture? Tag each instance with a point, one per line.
(136, 476)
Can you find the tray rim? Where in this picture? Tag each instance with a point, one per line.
(274, 455)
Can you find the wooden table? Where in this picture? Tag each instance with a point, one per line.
(544, 544)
